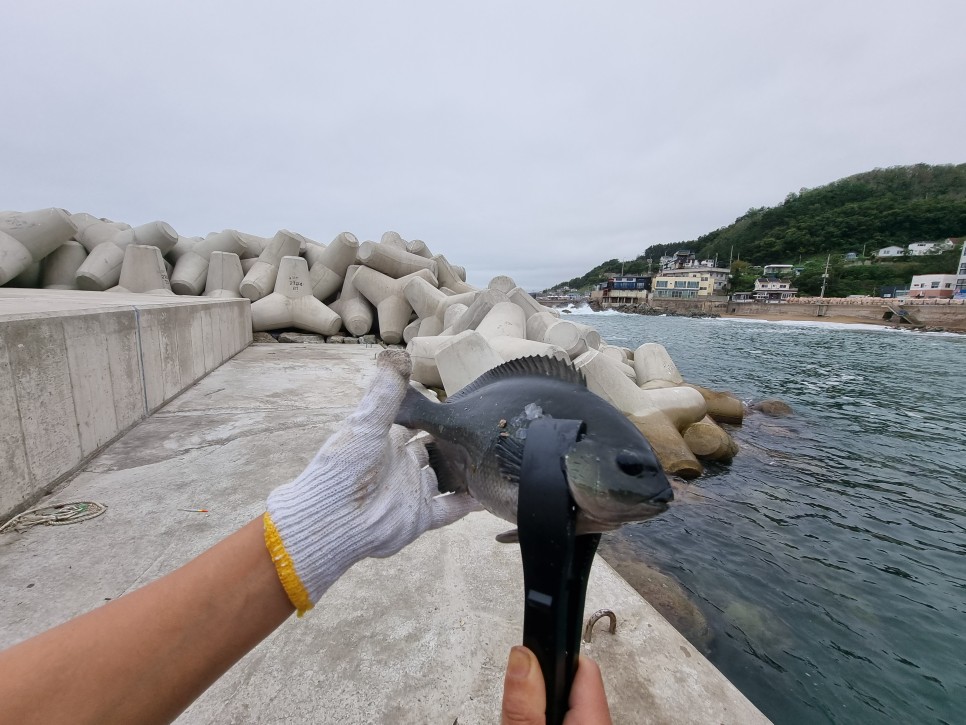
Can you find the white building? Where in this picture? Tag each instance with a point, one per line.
(959, 291)
(774, 270)
(918, 249)
(890, 252)
(932, 285)
(772, 289)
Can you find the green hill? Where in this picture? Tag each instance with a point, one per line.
(858, 214)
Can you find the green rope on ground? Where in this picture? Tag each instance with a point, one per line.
(58, 514)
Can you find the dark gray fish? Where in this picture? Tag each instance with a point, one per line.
(480, 431)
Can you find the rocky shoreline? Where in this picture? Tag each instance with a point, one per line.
(647, 309)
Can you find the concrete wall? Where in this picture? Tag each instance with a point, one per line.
(79, 368)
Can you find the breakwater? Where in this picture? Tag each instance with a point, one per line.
(945, 314)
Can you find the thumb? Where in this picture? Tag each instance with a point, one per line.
(524, 696)
(378, 407)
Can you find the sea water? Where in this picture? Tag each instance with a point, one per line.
(830, 556)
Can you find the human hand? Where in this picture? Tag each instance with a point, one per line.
(369, 491)
(525, 694)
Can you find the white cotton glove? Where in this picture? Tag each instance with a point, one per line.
(368, 492)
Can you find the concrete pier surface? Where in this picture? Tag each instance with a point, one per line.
(421, 637)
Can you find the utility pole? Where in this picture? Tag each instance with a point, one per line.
(825, 276)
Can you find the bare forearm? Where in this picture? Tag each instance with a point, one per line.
(146, 656)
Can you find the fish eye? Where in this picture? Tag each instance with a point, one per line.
(630, 462)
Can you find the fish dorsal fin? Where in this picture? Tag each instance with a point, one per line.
(550, 367)
(509, 457)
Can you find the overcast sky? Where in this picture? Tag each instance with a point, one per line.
(534, 139)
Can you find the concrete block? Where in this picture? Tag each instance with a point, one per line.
(707, 440)
(29, 278)
(92, 232)
(419, 248)
(505, 319)
(28, 237)
(502, 283)
(452, 314)
(393, 261)
(89, 368)
(182, 247)
(17, 484)
(422, 351)
(652, 362)
(538, 324)
(328, 270)
(411, 330)
(37, 354)
(477, 310)
(254, 245)
(525, 302)
(191, 269)
(394, 240)
(722, 407)
(313, 253)
(259, 281)
(102, 268)
(448, 277)
(511, 348)
(143, 271)
(59, 268)
(423, 297)
(225, 275)
(386, 294)
(292, 303)
(462, 359)
(356, 311)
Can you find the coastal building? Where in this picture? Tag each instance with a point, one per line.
(959, 291)
(890, 252)
(918, 249)
(777, 270)
(933, 285)
(623, 290)
(772, 289)
(688, 282)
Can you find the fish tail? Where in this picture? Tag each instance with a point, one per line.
(415, 410)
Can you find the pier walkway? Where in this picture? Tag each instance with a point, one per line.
(421, 637)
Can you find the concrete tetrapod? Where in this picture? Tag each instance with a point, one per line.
(463, 358)
(526, 302)
(503, 283)
(143, 271)
(28, 237)
(422, 351)
(722, 407)
(652, 362)
(505, 319)
(709, 441)
(182, 247)
(448, 277)
(423, 296)
(478, 309)
(511, 348)
(59, 268)
(102, 268)
(356, 311)
(392, 308)
(224, 276)
(292, 303)
(92, 231)
(259, 281)
(606, 380)
(393, 239)
(419, 248)
(393, 261)
(191, 269)
(328, 267)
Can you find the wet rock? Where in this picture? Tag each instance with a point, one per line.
(368, 340)
(263, 337)
(662, 592)
(773, 407)
(300, 337)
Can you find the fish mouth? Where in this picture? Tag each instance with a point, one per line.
(614, 519)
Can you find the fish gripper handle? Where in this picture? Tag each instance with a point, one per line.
(556, 562)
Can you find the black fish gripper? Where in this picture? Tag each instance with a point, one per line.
(556, 562)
